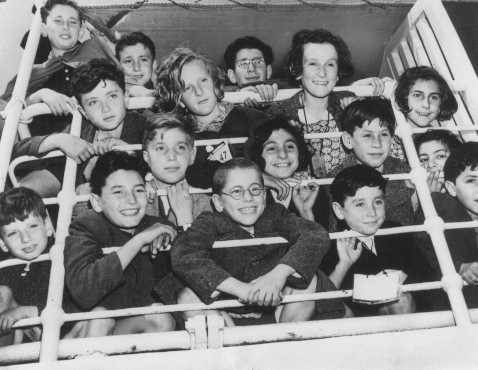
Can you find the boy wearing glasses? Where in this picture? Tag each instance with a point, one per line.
(248, 63)
(257, 275)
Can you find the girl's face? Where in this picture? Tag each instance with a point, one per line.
(320, 69)
(281, 154)
(198, 95)
(433, 155)
(424, 100)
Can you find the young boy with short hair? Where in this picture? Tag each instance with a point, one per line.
(358, 202)
(248, 62)
(168, 149)
(137, 55)
(369, 125)
(124, 278)
(259, 276)
(433, 148)
(457, 205)
(99, 88)
(25, 233)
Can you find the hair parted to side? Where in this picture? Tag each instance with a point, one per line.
(50, 4)
(368, 109)
(351, 179)
(448, 106)
(466, 155)
(111, 162)
(165, 122)
(295, 55)
(220, 176)
(18, 204)
(445, 137)
(247, 42)
(132, 39)
(170, 85)
(86, 77)
(255, 144)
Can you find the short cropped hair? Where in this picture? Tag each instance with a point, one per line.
(351, 179)
(448, 106)
(50, 4)
(368, 109)
(86, 77)
(132, 39)
(466, 155)
(295, 55)
(18, 204)
(220, 176)
(170, 85)
(166, 121)
(111, 162)
(255, 144)
(247, 42)
(445, 137)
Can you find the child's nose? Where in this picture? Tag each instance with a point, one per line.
(135, 66)
(198, 90)
(25, 236)
(131, 198)
(251, 67)
(247, 196)
(377, 141)
(282, 153)
(105, 107)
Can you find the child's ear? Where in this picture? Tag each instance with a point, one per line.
(50, 230)
(146, 157)
(3, 247)
(193, 155)
(347, 140)
(216, 200)
(450, 188)
(268, 71)
(231, 75)
(95, 202)
(338, 210)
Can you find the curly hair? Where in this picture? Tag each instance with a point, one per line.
(170, 85)
(255, 144)
(86, 77)
(247, 42)
(448, 106)
(319, 36)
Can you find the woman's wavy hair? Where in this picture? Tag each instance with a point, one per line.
(448, 106)
(170, 86)
(318, 36)
(255, 144)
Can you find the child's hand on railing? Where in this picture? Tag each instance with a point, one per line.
(181, 202)
(76, 148)
(156, 238)
(281, 187)
(59, 104)
(11, 316)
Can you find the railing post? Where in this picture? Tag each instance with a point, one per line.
(15, 105)
(52, 315)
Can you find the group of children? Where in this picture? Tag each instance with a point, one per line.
(258, 188)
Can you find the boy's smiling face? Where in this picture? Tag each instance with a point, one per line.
(169, 155)
(105, 105)
(137, 63)
(26, 239)
(62, 27)
(465, 189)
(370, 143)
(122, 200)
(364, 212)
(246, 210)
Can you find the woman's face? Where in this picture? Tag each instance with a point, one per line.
(320, 69)
(198, 95)
(281, 154)
(424, 100)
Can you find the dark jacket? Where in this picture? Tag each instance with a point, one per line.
(240, 122)
(462, 244)
(203, 268)
(97, 279)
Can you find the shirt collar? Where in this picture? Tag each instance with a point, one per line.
(368, 242)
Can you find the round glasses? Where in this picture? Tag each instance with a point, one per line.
(238, 193)
(244, 63)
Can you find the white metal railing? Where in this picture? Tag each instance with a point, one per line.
(52, 317)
